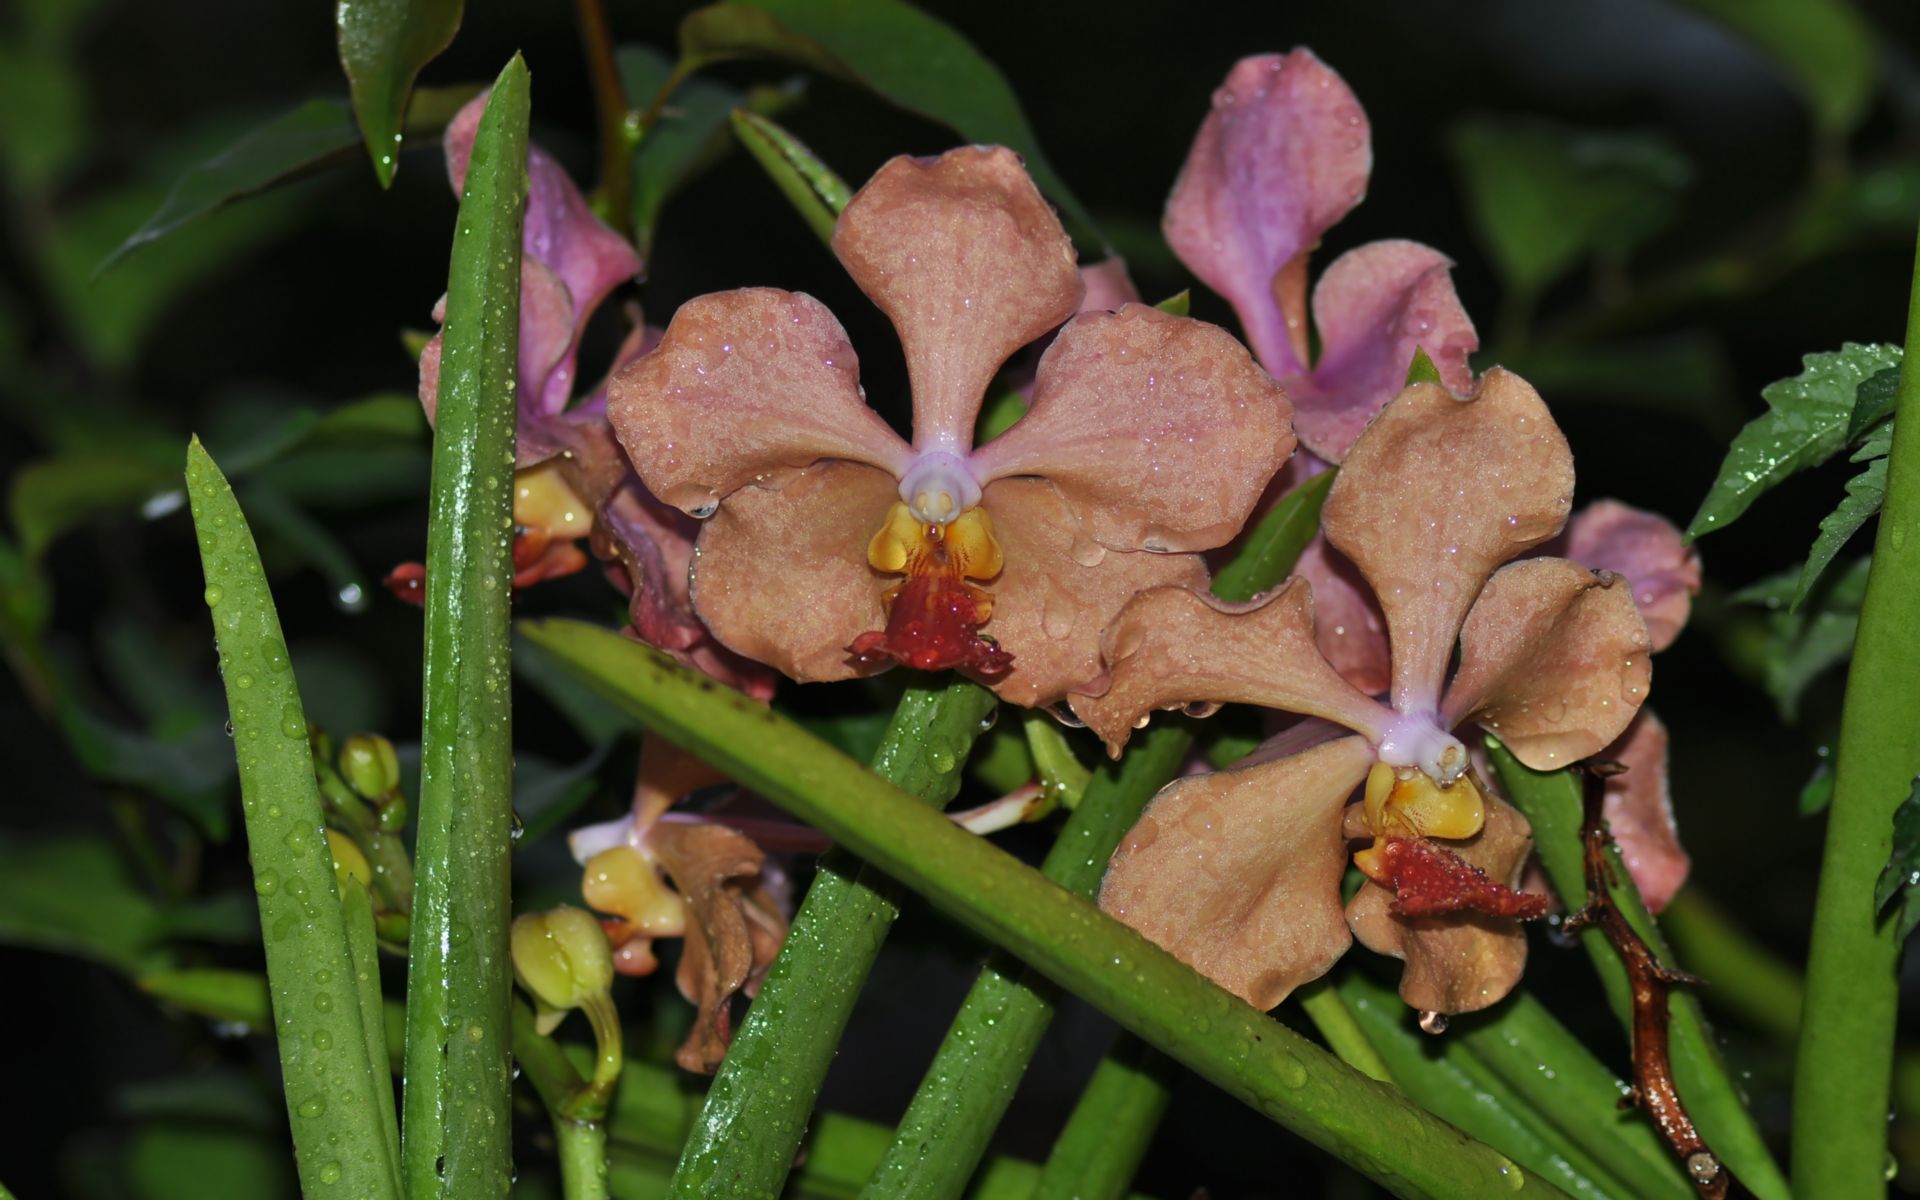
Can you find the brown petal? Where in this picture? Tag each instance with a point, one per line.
(1177, 645)
(1639, 811)
(780, 573)
(1460, 962)
(1646, 548)
(1437, 493)
(745, 383)
(1553, 661)
(1059, 588)
(713, 867)
(1347, 623)
(1237, 873)
(969, 263)
(1160, 429)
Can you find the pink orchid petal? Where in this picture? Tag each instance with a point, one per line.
(1373, 307)
(1639, 812)
(1650, 551)
(586, 258)
(1173, 646)
(1554, 660)
(743, 384)
(1161, 430)
(1107, 286)
(1237, 873)
(655, 545)
(1437, 493)
(781, 572)
(969, 263)
(1283, 155)
(1058, 589)
(1347, 622)
(1460, 962)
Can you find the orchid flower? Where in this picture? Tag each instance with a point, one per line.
(1283, 155)
(1238, 872)
(832, 547)
(572, 481)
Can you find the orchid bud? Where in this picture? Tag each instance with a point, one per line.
(349, 861)
(562, 959)
(369, 764)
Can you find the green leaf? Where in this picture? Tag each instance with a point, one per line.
(310, 542)
(74, 896)
(1274, 545)
(1901, 878)
(808, 184)
(458, 1113)
(337, 1131)
(1873, 403)
(383, 46)
(592, 717)
(43, 114)
(1254, 1058)
(175, 1160)
(1817, 792)
(55, 495)
(1865, 493)
(1805, 424)
(1826, 47)
(1545, 198)
(1804, 642)
(908, 57)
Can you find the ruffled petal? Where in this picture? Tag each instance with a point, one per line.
(1639, 811)
(1058, 589)
(1347, 622)
(1463, 961)
(1283, 155)
(969, 263)
(1373, 307)
(1554, 660)
(1646, 548)
(1436, 494)
(1237, 873)
(781, 575)
(1161, 430)
(1173, 646)
(743, 384)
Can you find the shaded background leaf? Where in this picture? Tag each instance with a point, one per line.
(383, 46)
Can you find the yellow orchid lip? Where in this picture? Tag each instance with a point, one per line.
(934, 615)
(1405, 802)
(544, 501)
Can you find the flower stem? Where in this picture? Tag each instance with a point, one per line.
(755, 1113)
(1344, 1036)
(1096, 1155)
(613, 196)
(1844, 1071)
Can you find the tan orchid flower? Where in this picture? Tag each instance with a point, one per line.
(833, 547)
(1238, 872)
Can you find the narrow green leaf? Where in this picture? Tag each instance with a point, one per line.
(1111, 1126)
(1251, 1056)
(1825, 46)
(458, 1117)
(1554, 806)
(1872, 402)
(1865, 493)
(808, 184)
(906, 56)
(50, 497)
(1805, 424)
(337, 1129)
(356, 909)
(1274, 545)
(74, 896)
(383, 46)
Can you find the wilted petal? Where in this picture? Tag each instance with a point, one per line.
(1373, 307)
(1176, 645)
(1237, 873)
(1639, 811)
(743, 384)
(1347, 623)
(1553, 661)
(970, 264)
(715, 869)
(1283, 155)
(781, 573)
(1463, 961)
(1159, 429)
(1059, 588)
(1437, 493)
(1646, 548)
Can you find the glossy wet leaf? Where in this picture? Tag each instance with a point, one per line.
(1826, 47)
(337, 1130)
(383, 46)
(907, 56)
(1901, 878)
(1804, 643)
(1805, 424)
(1545, 198)
(1866, 492)
(1873, 403)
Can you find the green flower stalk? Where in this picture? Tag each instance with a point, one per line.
(563, 961)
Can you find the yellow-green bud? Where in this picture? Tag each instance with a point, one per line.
(369, 764)
(562, 959)
(349, 861)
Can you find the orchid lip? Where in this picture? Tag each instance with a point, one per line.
(938, 487)
(1416, 740)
